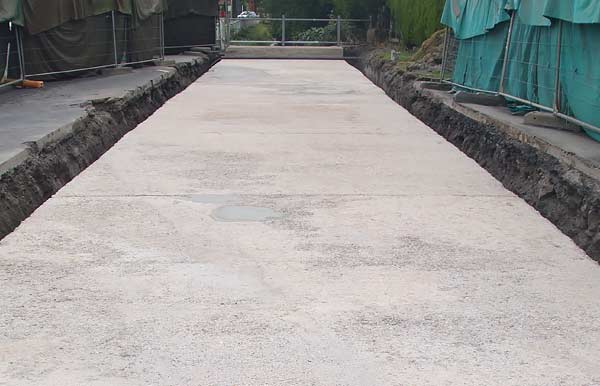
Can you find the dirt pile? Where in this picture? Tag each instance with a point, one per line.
(431, 53)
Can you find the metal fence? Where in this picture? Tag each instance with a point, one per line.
(524, 68)
(296, 31)
(104, 41)
(11, 61)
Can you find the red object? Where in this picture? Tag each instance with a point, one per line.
(251, 5)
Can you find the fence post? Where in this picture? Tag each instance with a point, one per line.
(506, 52)
(162, 35)
(557, 73)
(283, 30)
(445, 54)
(20, 51)
(339, 30)
(114, 31)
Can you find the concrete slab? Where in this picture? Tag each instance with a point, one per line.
(549, 120)
(394, 259)
(284, 52)
(28, 115)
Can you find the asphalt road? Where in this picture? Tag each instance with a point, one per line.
(286, 223)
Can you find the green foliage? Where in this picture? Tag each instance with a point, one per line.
(258, 32)
(328, 33)
(320, 34)
(357, 9)
(416, 19)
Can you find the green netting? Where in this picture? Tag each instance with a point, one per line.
(470, 18)
(180, 8)
(42, 15)
(143, 9)
(11, 10)
(573, 11)
(531, 67)
(479, 59)
(580, 72)
(532, 57)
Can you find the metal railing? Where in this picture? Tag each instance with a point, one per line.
(298, 31)
(519, 71)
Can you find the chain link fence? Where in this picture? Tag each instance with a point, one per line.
(531, 66)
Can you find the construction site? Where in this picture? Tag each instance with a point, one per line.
(203, 192)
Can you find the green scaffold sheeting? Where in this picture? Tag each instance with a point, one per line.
(180, 8)
(580, 73)
(143, 9)
(532, 57)
(470, 18)
(11, 10)
(573, 11)
(43, 15)
(479, 59)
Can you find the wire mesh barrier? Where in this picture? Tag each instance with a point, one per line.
(70, 48)
(107, 40)
(138, 41)
(182, 33)
(545, 66)
(297, 31)
(10, 56)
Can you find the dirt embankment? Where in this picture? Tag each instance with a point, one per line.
(48, 168)
(562, 193)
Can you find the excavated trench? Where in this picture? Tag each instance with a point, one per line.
(562, 193)
(48, 168)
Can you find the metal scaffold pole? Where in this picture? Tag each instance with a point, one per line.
(506, 52)
(283, 30)
(114, 31)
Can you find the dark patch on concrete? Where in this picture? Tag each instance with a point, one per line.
(234, 213)
(563, 194)
(47, 168)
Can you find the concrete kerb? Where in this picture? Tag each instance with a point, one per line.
(33, 175)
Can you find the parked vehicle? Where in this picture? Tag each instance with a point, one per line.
(247, 15)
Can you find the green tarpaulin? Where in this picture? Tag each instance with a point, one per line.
(573, 11)
(190, 23)
(74, 45)
(83, 37)
(470, 18)
(532, 57)
(179, 8)
(189, 31)
(42, 15)
(479, 69)
(11, 10)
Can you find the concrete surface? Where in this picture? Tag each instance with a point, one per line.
(31, 114)
(367, 251)
(575, 148)
(287, 52)
(549, 120)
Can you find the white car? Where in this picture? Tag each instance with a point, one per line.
(247, 15)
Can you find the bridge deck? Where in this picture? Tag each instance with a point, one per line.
(284, 222)
(287, 52)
